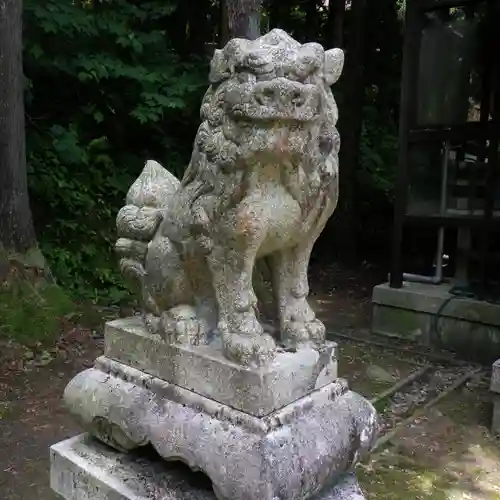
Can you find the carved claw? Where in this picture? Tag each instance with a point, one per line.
(249, 350)
(151, 322)
(180, 325)
(303, 332)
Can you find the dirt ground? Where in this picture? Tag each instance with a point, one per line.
(447, 453)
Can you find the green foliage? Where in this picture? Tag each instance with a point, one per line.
(378, 152)
(106, 92)
(112, 83)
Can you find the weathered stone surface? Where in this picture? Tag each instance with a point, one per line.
(346, 489)
(204, 370)
(290, 454)
(260, 187)
(84, 469)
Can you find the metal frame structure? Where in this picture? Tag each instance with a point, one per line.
(411, 135)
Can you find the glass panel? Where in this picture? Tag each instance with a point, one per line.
(425, 161)
(449, 84)
(449, 179)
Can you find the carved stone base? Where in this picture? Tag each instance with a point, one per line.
(205, 370)
(293, 453)
(83, 469)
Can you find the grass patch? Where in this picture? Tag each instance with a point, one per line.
(31, 309)
(405, 479)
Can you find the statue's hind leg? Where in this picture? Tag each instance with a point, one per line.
(171, 307)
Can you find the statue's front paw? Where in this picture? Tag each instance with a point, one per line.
(249, 350)
(296, 333)
(245, 342)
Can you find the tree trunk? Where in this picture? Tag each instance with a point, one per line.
(279, 13)
(199, 31)
(176, 24)
(350, 128)
(17, 234)
(240, 19)
(312, 20)
(334, 35)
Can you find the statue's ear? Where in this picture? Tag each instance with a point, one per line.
(334, 62)
(219, 68)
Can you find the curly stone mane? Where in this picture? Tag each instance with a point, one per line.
(213, 150)
(218, 150)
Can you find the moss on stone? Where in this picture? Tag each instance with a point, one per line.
(405, 480)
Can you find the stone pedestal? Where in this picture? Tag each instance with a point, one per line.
(82, 468)
(430, 315)
(205, 371)
(495, 388)
(289, 430)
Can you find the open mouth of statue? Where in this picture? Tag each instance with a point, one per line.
(277, 99)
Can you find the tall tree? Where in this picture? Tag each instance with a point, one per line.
(240, 19)
(279, 13)
(350, 124)
(199, 27)
(17, 234)
(311, 20)
(334, 35)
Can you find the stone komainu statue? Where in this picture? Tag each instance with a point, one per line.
(260, 187)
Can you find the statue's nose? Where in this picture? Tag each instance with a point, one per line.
(281, 93)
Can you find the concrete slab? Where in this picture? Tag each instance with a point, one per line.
(84, 469)
(205, 371)
(427, 298)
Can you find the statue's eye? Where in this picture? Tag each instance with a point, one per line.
(246, 77)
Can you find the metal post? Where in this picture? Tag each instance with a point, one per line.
(407, 120)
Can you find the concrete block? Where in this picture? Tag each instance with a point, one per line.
(430, 315)
(495, 422)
